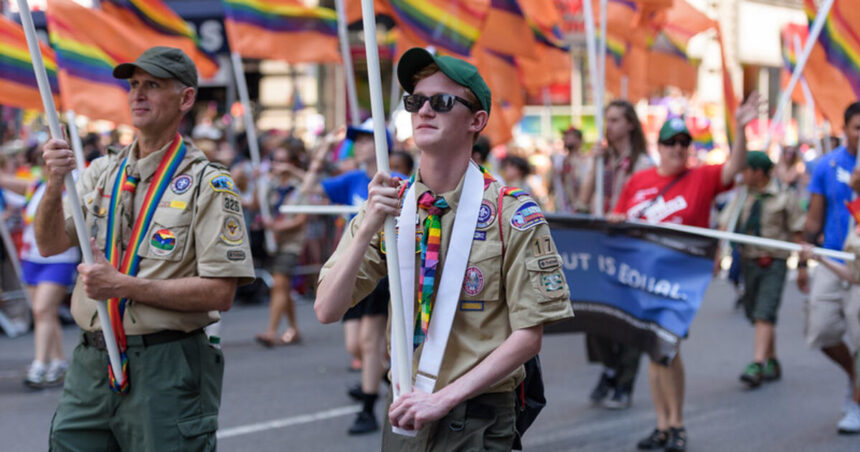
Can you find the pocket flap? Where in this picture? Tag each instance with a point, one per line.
(198, 425)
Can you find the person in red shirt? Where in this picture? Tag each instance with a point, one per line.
(673, 192)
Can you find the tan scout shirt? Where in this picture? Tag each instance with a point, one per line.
(852, 245)
(208, 227)
(781, 217)
(502, 292)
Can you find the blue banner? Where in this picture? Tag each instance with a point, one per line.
(640, 284)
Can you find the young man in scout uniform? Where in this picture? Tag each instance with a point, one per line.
(772, 212)
(485, 268)
(170, 224)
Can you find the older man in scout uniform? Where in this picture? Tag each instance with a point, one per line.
(484, 279)
(772, 212)
(170, 248)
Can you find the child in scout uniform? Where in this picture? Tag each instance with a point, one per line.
(485, 279)
(169, 247)
(774, 212)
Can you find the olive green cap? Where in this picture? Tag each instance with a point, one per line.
(161, 62)
(759, 160)
(461, 72)
(672, 127)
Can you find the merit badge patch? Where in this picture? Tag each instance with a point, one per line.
(163, 242)
(235, 255)
(231, 233)
(473, 283)
(552, 282)
(224, 184)
(181, 184)
(527, 216)
(486, 215)
(471, 305)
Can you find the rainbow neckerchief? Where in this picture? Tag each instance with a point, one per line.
(131, 260)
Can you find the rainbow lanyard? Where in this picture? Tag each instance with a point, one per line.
(131, 260)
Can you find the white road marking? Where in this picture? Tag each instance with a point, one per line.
(287, 422)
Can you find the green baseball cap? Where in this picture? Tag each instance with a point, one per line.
(461, 72)
(672, 127)
(161, 62)
(759, 160)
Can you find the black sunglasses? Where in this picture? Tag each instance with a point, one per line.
(682, 140)
(440, 103)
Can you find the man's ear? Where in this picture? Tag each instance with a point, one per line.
(186, 100)
(479, 121)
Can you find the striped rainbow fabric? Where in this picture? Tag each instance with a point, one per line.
(840, 38)
(281, 29)
(451, 25)
(165, 27)
(89, 43)
(18, 86)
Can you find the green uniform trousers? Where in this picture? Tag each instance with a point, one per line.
(483, 423)
(763, 289)
(172, 405)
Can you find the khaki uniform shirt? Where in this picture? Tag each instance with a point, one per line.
(852, 245)
(781, 217)
(208, 228)
(520, 287)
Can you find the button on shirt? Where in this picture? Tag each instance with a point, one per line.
(191, 233)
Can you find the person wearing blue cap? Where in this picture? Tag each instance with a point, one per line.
(477, 289)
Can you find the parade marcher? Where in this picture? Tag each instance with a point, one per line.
(672, 192)
(364, 323)
(770, 210)
(831, 312)
(568, 172)
(625, 154)
(47, 280)
(289, 231)
(511, 285)
(172, 224)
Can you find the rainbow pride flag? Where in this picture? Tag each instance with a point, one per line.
(281, 29)
(18, 87)
(451, 25)
(729, 98)
(507, 30)
(840, 38)
(89, 44)
(163, 27)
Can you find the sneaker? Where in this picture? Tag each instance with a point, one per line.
(677, 440)
(656, 440)
(601, 391)
(364, 423)
(772, 370)
(850, 423)
(35, 375)
(355, 393)
(56, 373)
(752, 375)
(619, 400)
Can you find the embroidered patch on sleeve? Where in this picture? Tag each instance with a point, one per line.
(223, 184)
(231, 232)
(527, 216)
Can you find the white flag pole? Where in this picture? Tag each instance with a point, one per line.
(785, 97)
(346, 56)
(403, 372)
(77, 146)
(597, 89)
(71, 191)
(253, 147)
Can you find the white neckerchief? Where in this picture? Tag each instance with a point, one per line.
(451, 278)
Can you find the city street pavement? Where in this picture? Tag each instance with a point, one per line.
(294, 398)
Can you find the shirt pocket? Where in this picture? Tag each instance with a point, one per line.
(482, 280)
(96, 208)
(168, 237)
(547, 278)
